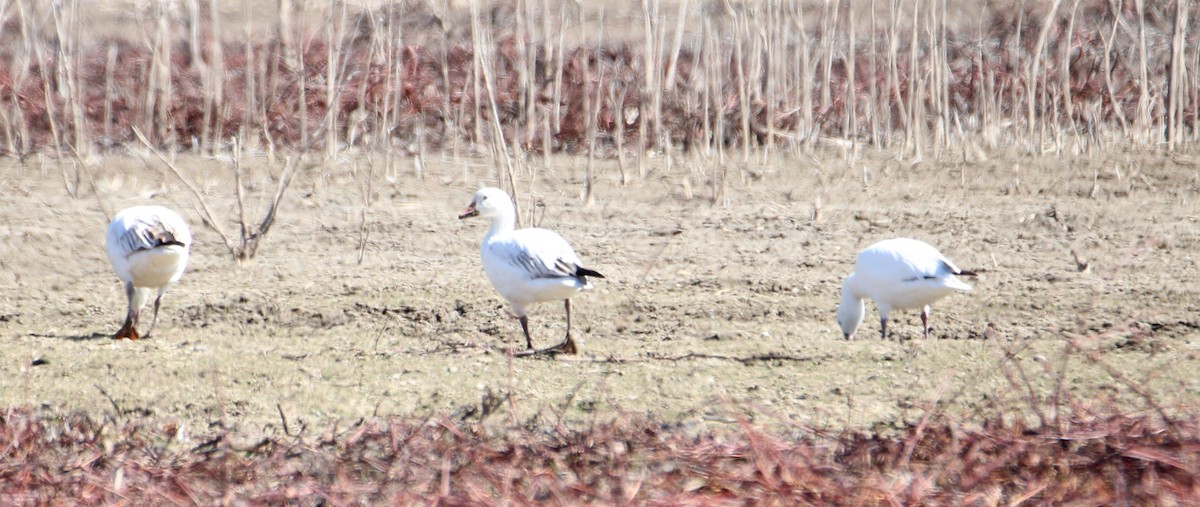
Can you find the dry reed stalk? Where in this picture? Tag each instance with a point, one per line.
(876, 108)
(616, 104)
(1114, 102)
(1014, 62)
(1142, 118)
(1195, 95)
(249, 83)
(476, 74)
(850, 127)
(1064, 57)
(389, 119)
(239, 193)
(214, 96)
(39, 57)
(756, 74)
(335, 29)
(550, 54)
(701, 79)
(913, 137)
(13, 122)
(929, 82)
(202, 67)
(1034, 70)
(591, 108)
(498, 144)
(451, 115)
(527, 75)
(645, 100)
(1175, 80)
(68, 60)
(713, 80)
(297, 49)
(939, 82)
(110, 64)
(893, 70)
(358, 123)
(806, 130)
(774, 53)
(367, 190)
(826, 50)
(743, 86)
(983, 112)
(719, 180)
(652, 40)
(6, 126)
(558, 70)
(681, 17)
(163, 74)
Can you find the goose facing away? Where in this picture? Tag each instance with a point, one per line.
(148, 248)
(527, 266)
(898, 274)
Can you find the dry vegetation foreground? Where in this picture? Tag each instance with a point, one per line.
(716, 319)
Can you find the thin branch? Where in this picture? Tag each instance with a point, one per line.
(208, 214)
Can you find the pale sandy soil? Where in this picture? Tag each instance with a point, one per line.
(416, 329)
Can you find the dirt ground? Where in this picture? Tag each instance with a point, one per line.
(708, 313)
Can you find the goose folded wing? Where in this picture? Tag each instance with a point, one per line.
(147, 235)
(944, 269)
(533, 262)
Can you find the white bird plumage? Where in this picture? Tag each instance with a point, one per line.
(148, 247)
(897, 274)
(527, 266)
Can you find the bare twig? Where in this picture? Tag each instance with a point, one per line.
(208, 217)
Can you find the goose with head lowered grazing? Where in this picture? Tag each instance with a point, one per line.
(148, 247)
(527, 266)
(898, 274)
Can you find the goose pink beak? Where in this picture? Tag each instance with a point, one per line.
(469, 212)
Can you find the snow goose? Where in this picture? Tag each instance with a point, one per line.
(148, 248)
(527, 266)
(897, 274)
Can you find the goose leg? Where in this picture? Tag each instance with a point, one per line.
(154, 320)
(567, 346)
(525, 327)
(129, 329)
(925, 320)
(883, 328)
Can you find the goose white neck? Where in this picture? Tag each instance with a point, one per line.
(850, 310)
(504, 220)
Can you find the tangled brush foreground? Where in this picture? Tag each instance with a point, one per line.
(1104, 460)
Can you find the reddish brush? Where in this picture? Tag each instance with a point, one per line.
(1116, 459)
(1087, 78)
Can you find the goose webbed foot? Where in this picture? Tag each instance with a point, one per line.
(128, 330)
(567, 346)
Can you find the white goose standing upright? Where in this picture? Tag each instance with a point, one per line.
(897, 274)
(148, 248)
(529, 265)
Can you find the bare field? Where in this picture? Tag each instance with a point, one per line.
(708, 313)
